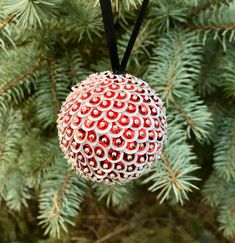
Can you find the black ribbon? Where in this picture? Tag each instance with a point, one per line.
(106, 9)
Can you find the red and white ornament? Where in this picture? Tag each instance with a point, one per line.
(112, 127)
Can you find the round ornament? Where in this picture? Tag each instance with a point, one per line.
(112, 128)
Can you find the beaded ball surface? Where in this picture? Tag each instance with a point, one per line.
(112, 128)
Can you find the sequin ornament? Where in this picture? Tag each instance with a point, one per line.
(112, 128)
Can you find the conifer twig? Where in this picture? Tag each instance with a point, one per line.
(230, 148)
(59, 195)
(22, 76)
(3, 135)
(7, 21)
(183, 113)
(211, 26)
(210, 64)
(171, 173)
(53, 87)
(46, 161)
(197, 10)
(110, 235)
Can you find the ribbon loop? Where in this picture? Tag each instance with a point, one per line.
(106, 9)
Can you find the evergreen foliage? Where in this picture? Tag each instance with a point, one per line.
(185, 50)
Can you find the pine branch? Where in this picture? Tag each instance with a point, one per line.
(60, 198)
(224, 155)
(212, 26)
(210, 77)
(167, 14)
(10, 133)
(7, 21)
(195, 115)
(227, 70)
(13, 187)
(217, 21)
(173, 176)
(175, 65)
(115, 195)
(18, 192)
(227, 215)
(31, 13)
(205, 6)
(166, 164)
(22, 76)
(112, 234)
(89, 23)
(3, 141)
(37, 157)
(209, 66)
(76, 67)
(53, 88)
(231, 148)
(214, 188)
(46, 161)
(184, 115)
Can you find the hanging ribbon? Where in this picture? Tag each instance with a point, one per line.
(106, 9)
